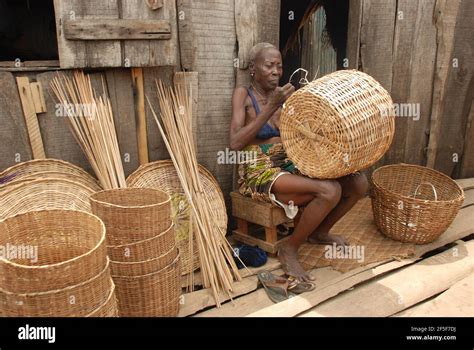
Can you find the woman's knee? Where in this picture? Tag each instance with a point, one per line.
(330, 191)
(359, 186)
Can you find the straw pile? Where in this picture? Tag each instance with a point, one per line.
(92, 123)
(217, 264)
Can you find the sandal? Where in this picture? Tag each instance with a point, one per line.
(297, 287)
(275, 286)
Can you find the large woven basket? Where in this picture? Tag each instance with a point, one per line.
(109, 308)
(414, 204)
(132, 214)
(162, 175)
(337, 125)
(73, 301)
(152, 295)
(44, 194)
(38, 166)
(70, 250)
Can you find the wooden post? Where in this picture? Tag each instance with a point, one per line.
(139, 102)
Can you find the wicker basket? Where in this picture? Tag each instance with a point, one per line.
(414, 204)
(146, 249)
(73, 301)
(132, 214)
(162, 175)
(139, 268)
(152, 295)
(337, 125)
(70, 250)
(37, 166)
(109, 308)
(44, 194)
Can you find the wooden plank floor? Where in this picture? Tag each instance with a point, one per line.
(250, 299)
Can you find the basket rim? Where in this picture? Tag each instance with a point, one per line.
(137, 189)
(46, 160)
(399, 165)
(60, 290)
(19, 186)
(91, 251)
(174, 262)
(143, 240)
(132, 263)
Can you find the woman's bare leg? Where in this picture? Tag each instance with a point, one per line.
(320, 197)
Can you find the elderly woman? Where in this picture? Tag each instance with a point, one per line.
(272, 176)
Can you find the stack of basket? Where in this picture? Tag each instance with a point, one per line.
(141, 244)
(55, 263)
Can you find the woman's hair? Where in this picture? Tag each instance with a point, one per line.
(255, 51)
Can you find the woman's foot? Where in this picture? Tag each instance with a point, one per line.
(327, 238)
(288, 256)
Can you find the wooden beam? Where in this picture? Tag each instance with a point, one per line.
(116, 29)
(38, 98)
(353, 33)
(140, 119)
(32, 126)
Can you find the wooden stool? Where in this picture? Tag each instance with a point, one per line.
(248, 210)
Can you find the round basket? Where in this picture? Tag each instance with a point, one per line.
(139, 268)
(152, 295)
(143, 250)
(337, 125)
(73, 301)
(37, 166)
(107, 309)
(44, 194)
(414, 204)
(70, 250)
(132, 214)
(162, 175)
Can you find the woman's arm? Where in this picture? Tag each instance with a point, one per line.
(240, 134)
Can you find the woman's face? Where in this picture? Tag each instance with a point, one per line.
(268, 68)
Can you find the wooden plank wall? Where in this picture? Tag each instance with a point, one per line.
(410, 47)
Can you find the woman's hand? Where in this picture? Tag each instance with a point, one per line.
(281, 94)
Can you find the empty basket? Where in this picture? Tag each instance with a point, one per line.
(414, 204)
(337, 125)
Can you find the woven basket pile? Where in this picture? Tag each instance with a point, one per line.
(68, 275)
(162, 175)
(141, 244)
(414, 204)
(337, 125)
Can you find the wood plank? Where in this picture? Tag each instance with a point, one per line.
(457, 301)
(445, 20)
(39, 63)
(80, 54)
(15, 146)
(59, 141)
(149, 53)
(269, 21)
(396, 291)
(140, 121)
(246, 29)
(116, 29)
(467, 165)
(377, 33)
(353, 33)
(32, 126)
(119, 86)
(37, 97)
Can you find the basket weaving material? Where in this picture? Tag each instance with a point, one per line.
(132, 214)
(109, 308)
(139, 268)
(73, 301)
(70, 250)
(414, 204)
(162, 175)
(152, 295)
(146, 249)
(337, 125)
(37, 166)
(44, 194)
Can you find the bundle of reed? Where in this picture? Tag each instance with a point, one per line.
(92, 123)
(217, 263)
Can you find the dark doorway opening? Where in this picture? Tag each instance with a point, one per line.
(27, 30)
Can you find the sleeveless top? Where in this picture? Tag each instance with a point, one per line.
(267, 131)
